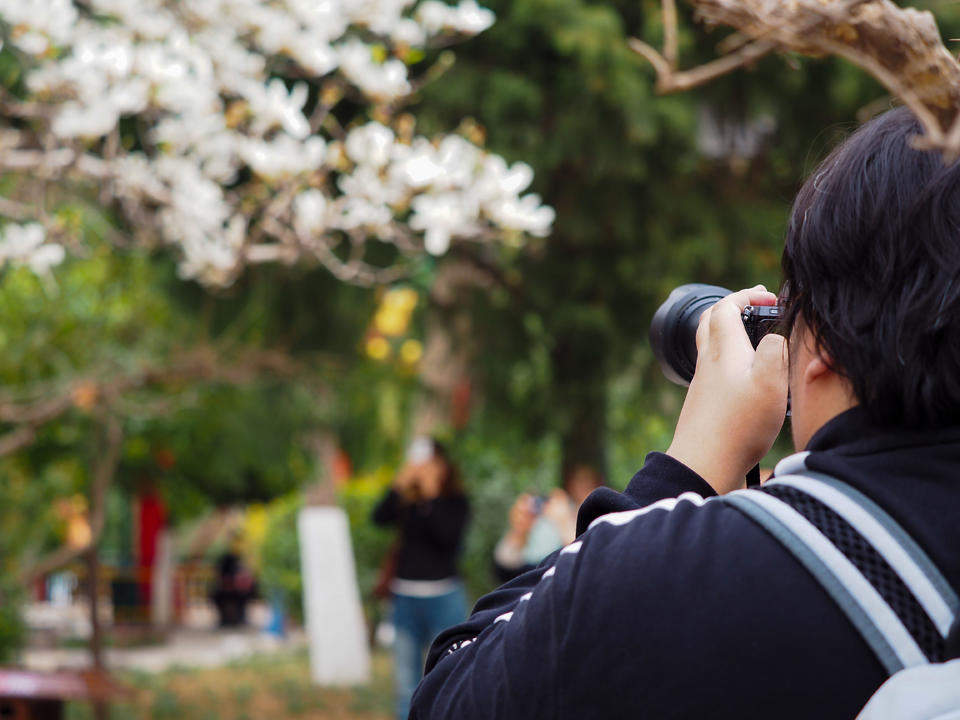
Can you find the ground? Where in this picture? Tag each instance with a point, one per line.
(272, 686)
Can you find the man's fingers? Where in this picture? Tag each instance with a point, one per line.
(722, 323)
(726, 328)
(771, 362)
(758, 295)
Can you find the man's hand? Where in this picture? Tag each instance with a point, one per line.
(737, 400)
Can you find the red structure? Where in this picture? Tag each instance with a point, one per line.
(152, 518)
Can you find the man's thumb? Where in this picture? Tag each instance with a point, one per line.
(771, 361)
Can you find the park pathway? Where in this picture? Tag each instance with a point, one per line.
(182, 649)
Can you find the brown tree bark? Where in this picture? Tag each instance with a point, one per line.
(101, 709)
(102, 478)
(448, 348)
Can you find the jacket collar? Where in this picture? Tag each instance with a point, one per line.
(852, 432)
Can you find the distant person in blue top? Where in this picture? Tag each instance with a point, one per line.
(539, 525)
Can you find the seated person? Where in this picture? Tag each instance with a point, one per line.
(234, 587)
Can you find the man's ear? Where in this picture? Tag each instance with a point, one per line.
(818, 368)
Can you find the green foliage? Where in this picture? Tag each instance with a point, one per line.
(274, 685)
(110, 315)
(229, 443)
(25, 519)
(279, 559)
(494, 474)
(11, 624)
(166, 706)
(103, 311)
(201, 442)
(370, 542)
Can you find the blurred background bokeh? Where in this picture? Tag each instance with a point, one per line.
(153, 407)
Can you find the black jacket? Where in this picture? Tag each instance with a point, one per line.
(688, 609)
(431, 532)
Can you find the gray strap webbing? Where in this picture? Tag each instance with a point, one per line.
(901, 552)
(879, 625)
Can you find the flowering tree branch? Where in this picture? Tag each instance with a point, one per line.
(174, 111)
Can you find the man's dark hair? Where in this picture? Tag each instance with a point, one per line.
(871, 266)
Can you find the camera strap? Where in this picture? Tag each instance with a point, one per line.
(881, 579)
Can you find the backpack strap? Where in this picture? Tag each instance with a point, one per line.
(900, 551)
(874, 571)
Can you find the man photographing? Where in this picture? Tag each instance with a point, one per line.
(688, 597)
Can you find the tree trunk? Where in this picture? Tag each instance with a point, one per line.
(583, 440)
(445, 369)
(579, 363)
(101, 710)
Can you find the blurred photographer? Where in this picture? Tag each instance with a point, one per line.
(537, 525)
(678, 602)
(430, 510)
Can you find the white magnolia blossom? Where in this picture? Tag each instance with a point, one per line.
(26, 245)
(370, 145)
(467, 16)
(382, 81)
(211, 124)
(282, 156)
(310, 212)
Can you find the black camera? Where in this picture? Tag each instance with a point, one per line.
(673, 330)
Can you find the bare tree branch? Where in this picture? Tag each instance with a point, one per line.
(670, 32)
(669, 80)
(17, 439)
(16, 210)
(103, 473)
(354, 270)
(900, 47)
(106, 388)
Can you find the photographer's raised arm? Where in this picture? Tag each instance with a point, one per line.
(737, 399)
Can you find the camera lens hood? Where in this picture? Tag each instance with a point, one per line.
(673, 330)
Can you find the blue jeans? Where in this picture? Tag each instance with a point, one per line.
(418, 620)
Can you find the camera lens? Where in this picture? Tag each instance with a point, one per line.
(673, 330)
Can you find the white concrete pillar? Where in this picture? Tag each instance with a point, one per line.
(339, 654)
(161, 586)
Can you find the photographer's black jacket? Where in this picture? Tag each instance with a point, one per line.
(669, 607)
